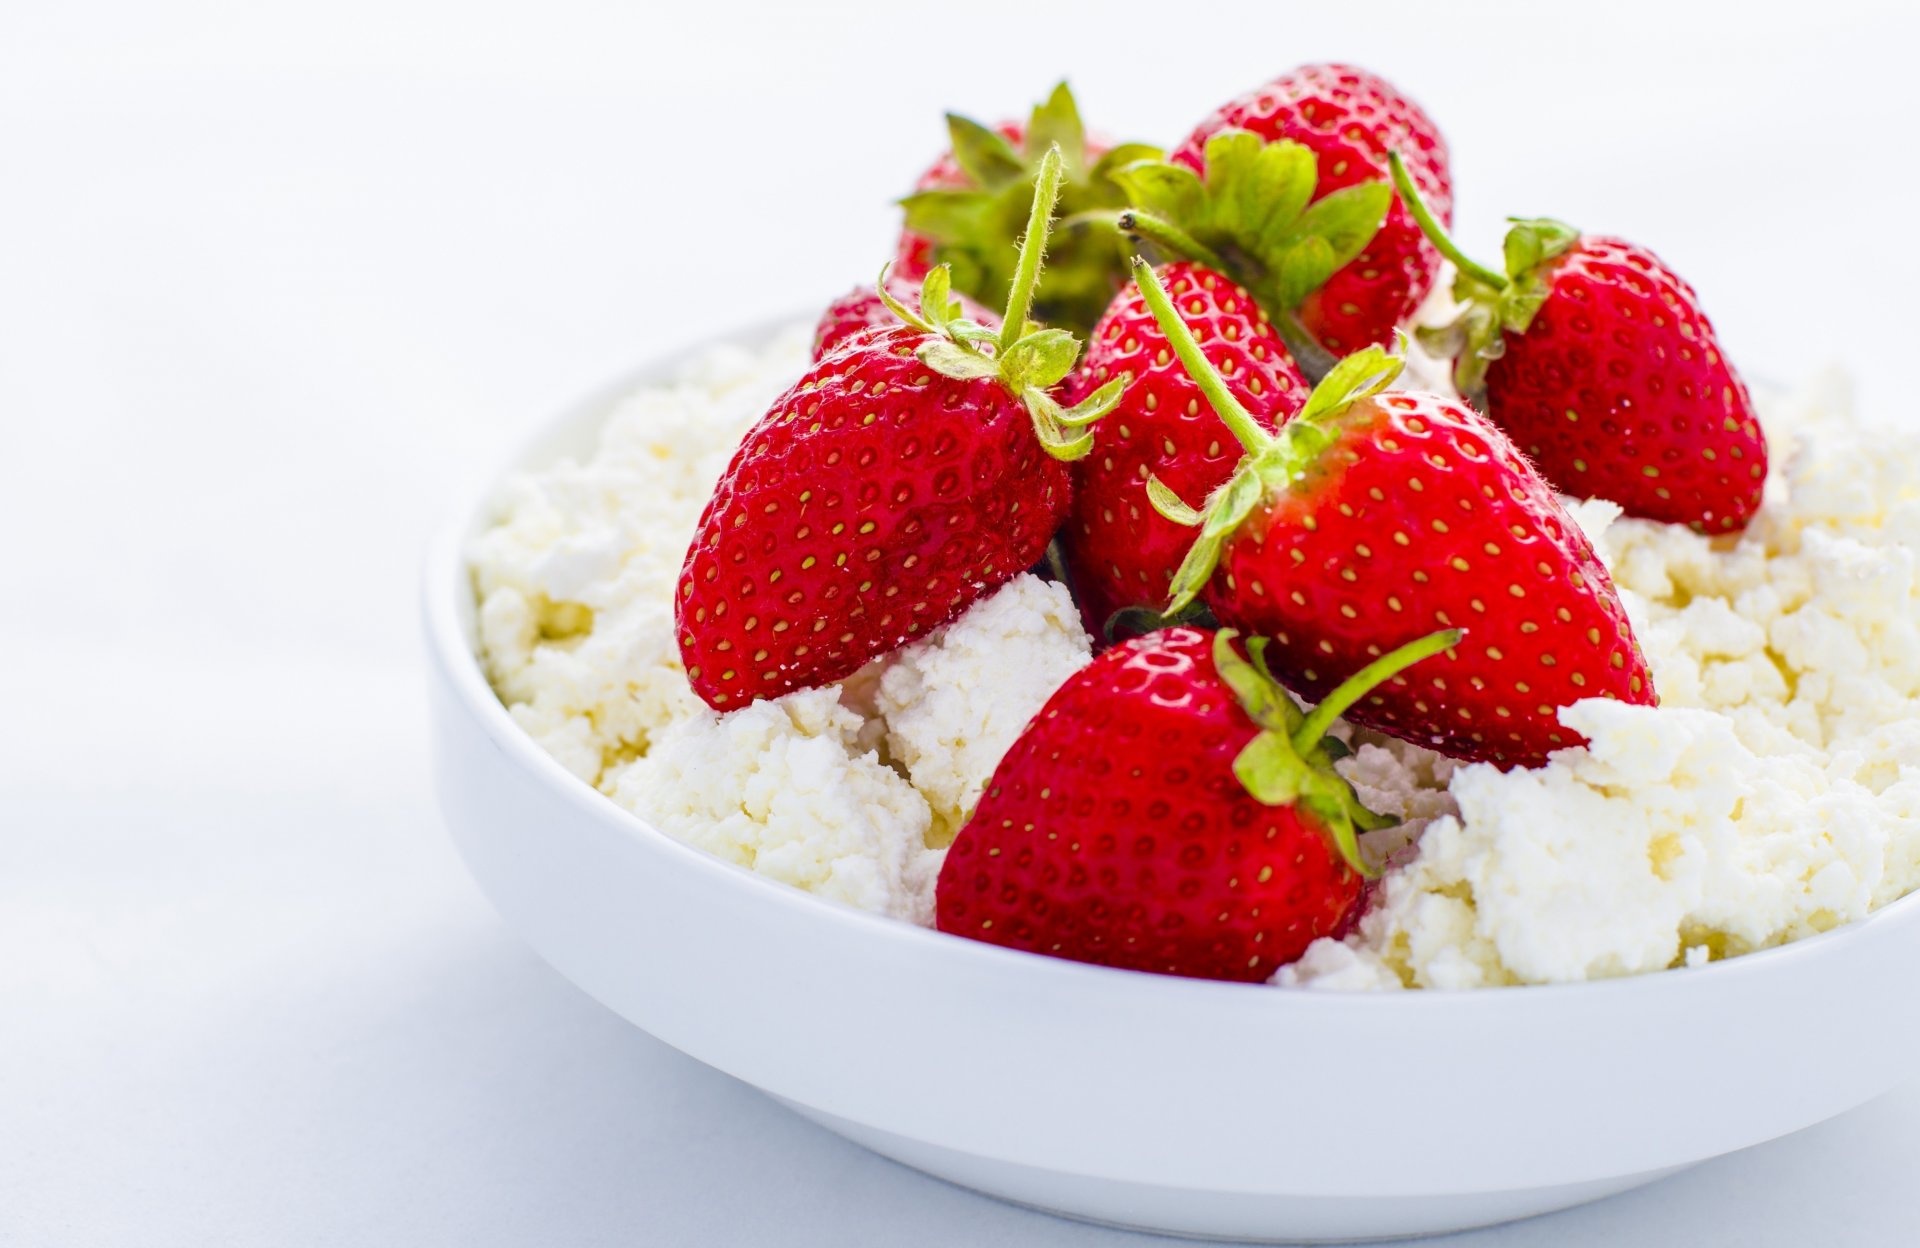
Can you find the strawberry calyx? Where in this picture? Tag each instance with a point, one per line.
(1254, 218)
(1028, 359)
(1274, 461)
(1290, 761)
(969, 227)
(1494, 303)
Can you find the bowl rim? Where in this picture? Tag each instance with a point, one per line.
(446, 575)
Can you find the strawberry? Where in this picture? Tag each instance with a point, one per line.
(1338, 125)
(968, 209)
(1596, 359)
(863, 308)
(1121, 552)
(1170, 809)
(1373, 516)
(906, 474)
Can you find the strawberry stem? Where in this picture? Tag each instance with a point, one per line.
(1363, 682)
(1237, 418)
(1435, 232)
(1170, 238)
(1033, 248)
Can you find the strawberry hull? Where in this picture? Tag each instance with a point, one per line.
(968, 210)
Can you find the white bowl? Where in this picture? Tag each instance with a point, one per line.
(1219, 1110)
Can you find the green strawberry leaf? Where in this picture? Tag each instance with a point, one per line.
(1519, 303)
(1258, 694)
(1347, 218)
(936, 297)
(1056, 121)
(1225, 511)
(984, 155)
(1120, 156)
(1229, 155)
(1269, 770)
(976, 228)
(950, 359)
(1170, 505)
(1366, 372)
(1533, 241)
(1305, 268)
(962, 330)
(1331, 800)
(1166, 190)
(947, 213)
(1280, 185)
(910, 315)
(1054, 437)
(1095, 405)
(1042, 358)
(1257, 651)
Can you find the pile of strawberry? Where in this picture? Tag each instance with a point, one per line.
(1241, 501)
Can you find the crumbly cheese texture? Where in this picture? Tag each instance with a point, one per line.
(1773, 794)
(850, 791)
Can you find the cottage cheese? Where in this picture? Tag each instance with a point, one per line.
(849, 791)
(1774, 793)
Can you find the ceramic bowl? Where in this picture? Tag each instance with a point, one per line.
(1204, 1109)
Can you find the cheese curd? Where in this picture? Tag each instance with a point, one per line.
(850, 791)
(1773, 794)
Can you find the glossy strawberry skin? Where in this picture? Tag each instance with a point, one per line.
(1618, 390)
(1115, 832)
(862, 308)
(1351, 119)
(876, 500)
(1120, 550)
(1422, 515)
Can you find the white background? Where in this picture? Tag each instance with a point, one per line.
(275, 282)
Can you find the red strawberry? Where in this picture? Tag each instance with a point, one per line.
(905, 475)
(1372, 517)
(863, 308)
(1168, 810)
(1596, 359)
(1121, 552)
(1351, 119)
(968, 209)
(1340, 123)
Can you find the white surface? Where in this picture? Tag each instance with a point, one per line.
(275, 281)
